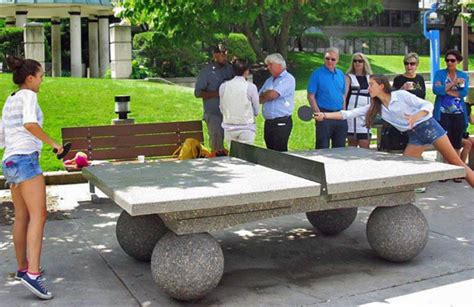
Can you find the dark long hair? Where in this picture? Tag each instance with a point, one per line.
(22, 68)
(376, 104)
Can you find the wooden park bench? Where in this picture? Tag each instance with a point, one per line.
(126, 142)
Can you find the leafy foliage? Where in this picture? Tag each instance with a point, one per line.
(11, 40)
(266, 23)
(469, 15)
(167, 57)
(238, 46)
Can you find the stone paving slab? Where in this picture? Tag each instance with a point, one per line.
(353, 169)
(75, 270)
(280, 261)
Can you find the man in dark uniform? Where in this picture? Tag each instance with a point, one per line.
(207, 87)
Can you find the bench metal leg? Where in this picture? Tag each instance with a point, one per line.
(94, 197)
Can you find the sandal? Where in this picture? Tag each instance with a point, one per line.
(458, 180)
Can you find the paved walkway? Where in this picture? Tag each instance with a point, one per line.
(280, 261)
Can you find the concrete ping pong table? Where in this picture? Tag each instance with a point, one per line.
(170, 207)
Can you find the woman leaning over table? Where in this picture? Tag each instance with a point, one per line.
(406, 112)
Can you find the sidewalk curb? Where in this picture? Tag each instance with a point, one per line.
(55, 178)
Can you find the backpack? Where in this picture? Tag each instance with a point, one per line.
(191, 149)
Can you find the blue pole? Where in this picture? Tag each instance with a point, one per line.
(434, 53)
(433, 37)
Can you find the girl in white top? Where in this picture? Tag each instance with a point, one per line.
(22, 121)
(406, 112)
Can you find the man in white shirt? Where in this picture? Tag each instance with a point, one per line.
(239, 104)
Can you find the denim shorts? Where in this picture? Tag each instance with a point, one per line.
(426, 133)
(19, 168)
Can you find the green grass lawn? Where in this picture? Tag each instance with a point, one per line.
(71, 102)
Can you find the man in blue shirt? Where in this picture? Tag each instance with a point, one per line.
(207, 87)
(278, 98)
(326, 89)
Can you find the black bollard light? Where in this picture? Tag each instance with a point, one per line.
(122, 108)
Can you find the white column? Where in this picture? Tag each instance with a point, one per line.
(21, 18)
(120, 51)
(93, 48)
(104, 46)
(34, 41)
(56, 47)
(76, 56)
(10, 21)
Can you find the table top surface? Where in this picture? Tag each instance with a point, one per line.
(156, 187)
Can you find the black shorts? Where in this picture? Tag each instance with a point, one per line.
(359, 136)
(454, 126)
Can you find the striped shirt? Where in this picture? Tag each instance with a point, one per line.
(19, 109)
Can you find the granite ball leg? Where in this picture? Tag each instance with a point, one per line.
(397, 233)
(331, 222)
(137, 235)
(187, 267)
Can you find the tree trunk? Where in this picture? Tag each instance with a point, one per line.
(247, 31)
(282, 39)
(299, 42)
(268, 42)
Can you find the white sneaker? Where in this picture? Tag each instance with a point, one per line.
(420, 190)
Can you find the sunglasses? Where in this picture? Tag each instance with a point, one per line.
(451, 60)
(357, 61)
(410, 63)
(331, 59)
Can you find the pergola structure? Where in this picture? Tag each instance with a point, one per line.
(102, 36)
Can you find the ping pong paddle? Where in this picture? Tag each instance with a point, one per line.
(305, 113)
(66, 148)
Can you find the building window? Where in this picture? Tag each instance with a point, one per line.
(406, 19)
(395, 19)
(384, 19)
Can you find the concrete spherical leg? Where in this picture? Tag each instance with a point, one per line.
(137, 235)
(397, 233)
(187, 267)
(331, 222)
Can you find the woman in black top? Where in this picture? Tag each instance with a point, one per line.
(410, 80)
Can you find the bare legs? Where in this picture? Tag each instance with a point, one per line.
(467, 145)
(358, 143)
(443, 145)
(29, 199)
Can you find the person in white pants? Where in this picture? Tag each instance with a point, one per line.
(239, 105)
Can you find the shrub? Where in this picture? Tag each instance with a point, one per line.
(11, 42)
(139, 71)
(167, 57)
(237, 45)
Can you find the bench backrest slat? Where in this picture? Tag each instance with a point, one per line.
(132, 141)
(129, 141)
(97, 131)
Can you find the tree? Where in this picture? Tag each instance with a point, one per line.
(266, 23)
(450, 11)
(468, 16)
